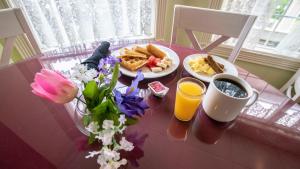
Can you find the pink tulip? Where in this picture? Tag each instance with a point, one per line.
(53, 86)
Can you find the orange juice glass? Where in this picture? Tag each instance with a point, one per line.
(188, 97)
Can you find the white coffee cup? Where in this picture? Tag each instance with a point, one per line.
(225, 108)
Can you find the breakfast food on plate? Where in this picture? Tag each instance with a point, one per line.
(156, 69)
(131, 53)
(206, 65)
(149, 56)
(142, 50)
(217, 67)
(155, 51)
(132, 63)
(157, 64)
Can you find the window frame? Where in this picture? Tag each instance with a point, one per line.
(253, 56)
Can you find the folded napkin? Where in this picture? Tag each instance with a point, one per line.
(101, 52)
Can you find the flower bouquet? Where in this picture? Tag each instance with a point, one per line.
(108, 111)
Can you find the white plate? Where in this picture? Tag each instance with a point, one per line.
(229, 68)
(147, 73)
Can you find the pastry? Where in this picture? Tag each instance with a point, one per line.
(156, 51)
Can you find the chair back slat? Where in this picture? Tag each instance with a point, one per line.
(13, 23)
(215, 43)
(7, 50)
(210, 21)
(9, 26)
(242, 37)
(193, 39)
(26, 28)
(293, 82)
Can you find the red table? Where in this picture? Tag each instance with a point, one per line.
(36, 133)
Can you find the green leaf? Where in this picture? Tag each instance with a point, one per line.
(91, 94)
(86, 120)
(99, 112)
(131, 121)
(100, 108)
(103, 91)
(112, 111)
(91, 138)
(111, 106)
(114, 117)
(91, 90)
(114, 79)
(101, 78)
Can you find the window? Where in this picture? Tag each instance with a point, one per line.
(277, 28)
(62, 23)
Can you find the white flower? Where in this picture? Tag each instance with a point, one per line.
(90, 75)
(126, 145)
(122, 119)
(117, 164)
(93, 127)
(111, 154)
(101, 160)
(81, 68)
(113, 164)
(107, 155)
(81, 73)
(122, 129)
(106, 137)
(106, 166)
(92, 154)
(108, 124)
(123, 161)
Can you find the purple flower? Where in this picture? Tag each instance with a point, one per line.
(129, 103)
(107, 80)
(133, 89)
(113, 60)
(106, 64)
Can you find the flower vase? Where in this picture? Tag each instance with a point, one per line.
(80, 111)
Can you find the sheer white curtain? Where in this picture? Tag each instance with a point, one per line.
(266, 28)
(262, 9)
(290, 44)
(62, 23)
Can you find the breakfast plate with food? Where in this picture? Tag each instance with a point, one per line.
(154, 60)
(203, 66)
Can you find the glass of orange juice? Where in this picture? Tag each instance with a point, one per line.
(188, 97)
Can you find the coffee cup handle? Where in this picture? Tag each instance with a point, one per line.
(253, 98)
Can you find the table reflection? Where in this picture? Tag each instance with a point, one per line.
(208, 130)
(138, 140)
(178, 130)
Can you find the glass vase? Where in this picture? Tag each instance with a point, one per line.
(80, 111)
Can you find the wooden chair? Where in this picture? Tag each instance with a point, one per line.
(293, 84)
(212, 21)
(13, 23)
